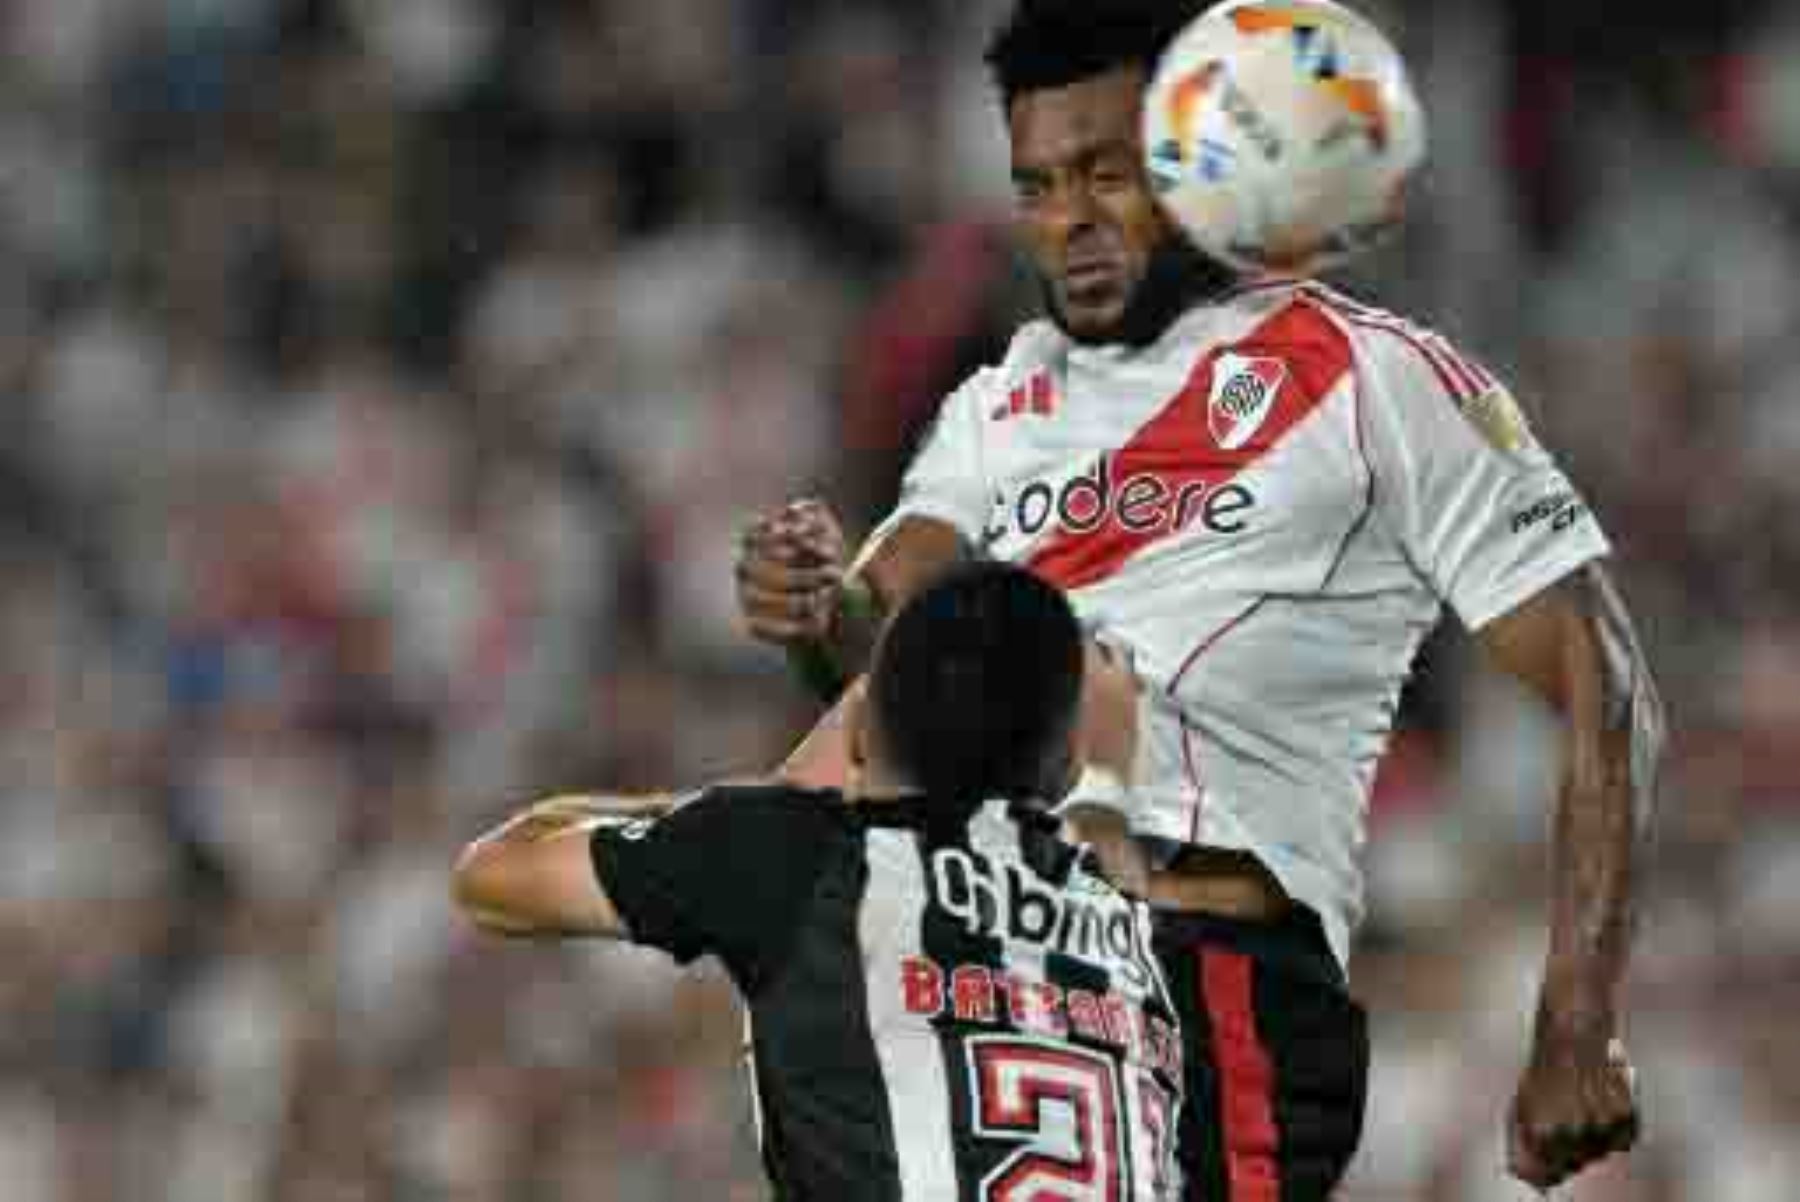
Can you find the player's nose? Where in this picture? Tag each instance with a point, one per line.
(1071, 214)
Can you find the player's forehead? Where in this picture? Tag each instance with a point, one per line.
(1051, 127)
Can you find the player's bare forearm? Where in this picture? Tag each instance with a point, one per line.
(1577, 1098)
(1604, 815)
(555, 815)
(1094, 808)
(795, 592)
(1576, 646)
(841, 652)
(912, 556)
(1594, 869)
(531, 875)
(884, 576)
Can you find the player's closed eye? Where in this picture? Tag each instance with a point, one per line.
(1112, 169)
(1112, 178)
(1029, 190)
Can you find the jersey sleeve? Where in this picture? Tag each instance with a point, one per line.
(1483, 511)
(728, 873)
(947, 478)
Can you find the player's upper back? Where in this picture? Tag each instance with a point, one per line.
(1004, 897)
(1003, 971)
(934, 1000)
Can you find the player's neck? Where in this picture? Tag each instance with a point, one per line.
(878, 785)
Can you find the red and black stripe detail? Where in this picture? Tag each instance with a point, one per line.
(1277, 1059)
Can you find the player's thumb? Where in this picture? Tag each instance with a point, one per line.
(1521, 1160)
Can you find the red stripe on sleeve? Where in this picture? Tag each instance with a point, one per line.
(1459, 376)
(1468, 385)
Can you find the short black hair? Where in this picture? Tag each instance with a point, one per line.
(1054, 43)
(976, 687)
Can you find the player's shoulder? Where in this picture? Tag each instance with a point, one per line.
(1389, 344)
(1029, 363)
(1354, 313)
(1035, 345)
(771, 801)
(772, 791)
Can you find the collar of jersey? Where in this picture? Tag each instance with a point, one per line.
(916, 811)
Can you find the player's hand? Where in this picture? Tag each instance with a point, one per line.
(1576, 1105)
(790, 569)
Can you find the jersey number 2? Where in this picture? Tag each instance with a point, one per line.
(1062, 1104)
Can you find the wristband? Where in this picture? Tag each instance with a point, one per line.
(816, 663)
(1098, 787)
(817, 669)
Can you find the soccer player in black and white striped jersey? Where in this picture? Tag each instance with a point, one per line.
(947, 1001)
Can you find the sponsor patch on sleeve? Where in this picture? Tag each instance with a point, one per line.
(1497, 417)
(1560, 509)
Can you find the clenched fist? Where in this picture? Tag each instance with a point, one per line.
(1576, 1105)
(790, 571)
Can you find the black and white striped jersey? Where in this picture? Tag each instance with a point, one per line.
(940, 1009)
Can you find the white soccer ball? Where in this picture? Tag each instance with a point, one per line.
(1280, 134)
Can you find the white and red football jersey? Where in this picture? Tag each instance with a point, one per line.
(1266, 508)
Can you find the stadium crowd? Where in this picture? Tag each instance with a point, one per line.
(388, 381)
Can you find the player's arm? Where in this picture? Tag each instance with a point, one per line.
(1574, 646)
(1494, 528)
(726, 872)
(826, 617)
(796, 586)
(534, 875)
(1108, 741)
(795, 591)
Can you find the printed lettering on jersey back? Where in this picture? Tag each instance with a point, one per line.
(1244, 392)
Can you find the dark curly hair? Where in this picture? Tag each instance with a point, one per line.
(1053, 43)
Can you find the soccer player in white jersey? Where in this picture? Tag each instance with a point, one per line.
(1264, 494)
(948, 1003)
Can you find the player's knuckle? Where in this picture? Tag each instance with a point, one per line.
(1539, 1128)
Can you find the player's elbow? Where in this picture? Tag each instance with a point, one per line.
(483, 887)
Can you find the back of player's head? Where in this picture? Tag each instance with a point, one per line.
(1053, 43)
(976, 686)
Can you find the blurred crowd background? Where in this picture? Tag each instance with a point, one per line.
(386, 381)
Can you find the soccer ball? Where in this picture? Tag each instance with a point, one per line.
(1280, 134)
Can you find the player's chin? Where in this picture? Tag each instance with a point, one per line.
(1094, 315)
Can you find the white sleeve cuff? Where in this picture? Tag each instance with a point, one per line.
(1097, 788)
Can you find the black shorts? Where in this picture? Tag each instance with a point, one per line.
(1277, 1057)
